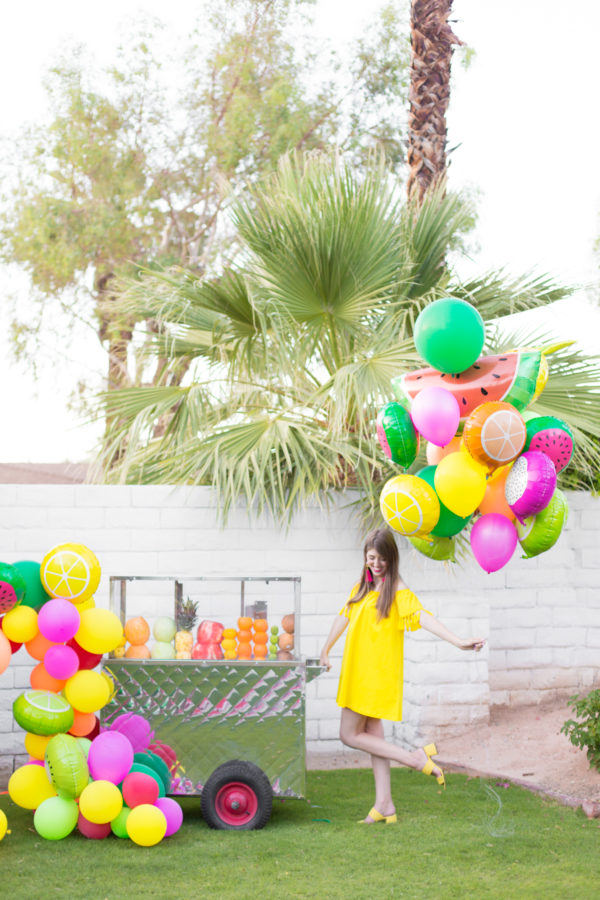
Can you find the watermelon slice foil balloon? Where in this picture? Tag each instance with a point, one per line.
(397, 434)
(510, 376)
(553, 437)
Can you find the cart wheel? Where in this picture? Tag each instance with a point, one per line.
(237, 796)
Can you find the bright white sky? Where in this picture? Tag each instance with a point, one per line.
(524, 115)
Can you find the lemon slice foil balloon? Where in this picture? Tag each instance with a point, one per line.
(409, 505)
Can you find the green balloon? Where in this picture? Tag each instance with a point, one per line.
(119, 824)
(146, 770)
(538, 533)
(55, 818)
(158, 765)
(449, 335)
(12, 587)
(448, 523)
(439, 548)
(35, 595)
(397, 434)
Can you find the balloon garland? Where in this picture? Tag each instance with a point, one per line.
(101, 782)
(489, 471)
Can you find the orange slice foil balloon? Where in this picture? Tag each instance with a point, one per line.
(494, 433)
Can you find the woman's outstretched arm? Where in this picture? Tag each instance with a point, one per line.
(339, 624)
(430, 623)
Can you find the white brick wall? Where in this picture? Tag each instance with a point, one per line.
(542, 616)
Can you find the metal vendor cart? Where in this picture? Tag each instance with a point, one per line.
(237, 728)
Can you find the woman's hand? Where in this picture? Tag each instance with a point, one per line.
(472, 644)
(324, 659)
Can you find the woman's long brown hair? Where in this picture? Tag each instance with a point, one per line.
(382, 540)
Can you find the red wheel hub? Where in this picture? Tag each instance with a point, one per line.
(236, 803)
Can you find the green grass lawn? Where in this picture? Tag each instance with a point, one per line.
(474, 840)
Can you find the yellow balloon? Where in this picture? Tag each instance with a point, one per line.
(146, 825)
(90, 603)
(460, 483)
(3, 824)
(112, 690)
(409, 505)
(101, 802)
(71, 571)
(29, 786)
(100, 631)
(87, 691)
(36, 744)
(20, 624)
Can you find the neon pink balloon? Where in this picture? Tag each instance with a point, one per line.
(530, 484)
(58, 620)
(61, 661)
(493, 541)
(110, 757)
(435, 414)
(172, 812)
(134, 727)
(139, 788)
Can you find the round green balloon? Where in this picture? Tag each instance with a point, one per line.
(55, 818)
(439, 548)
(146, 770)
(538, 533)
(448, 523)
(449, 335)
(119, 824)
(158, 765)
(35, 595)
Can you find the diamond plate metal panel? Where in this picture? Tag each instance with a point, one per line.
(212, 712)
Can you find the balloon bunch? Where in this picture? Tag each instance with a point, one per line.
(485, 460)
(76, 776)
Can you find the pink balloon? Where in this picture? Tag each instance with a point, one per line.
(139, 788)
(91, 829)
(493, 541)
(134, 727)
(58, 620)
(61, 661)
(5, 652)
(530, 484)
(110, 757)
(172, 812)
(435, 413)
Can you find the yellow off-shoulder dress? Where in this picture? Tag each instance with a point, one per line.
(372, 676)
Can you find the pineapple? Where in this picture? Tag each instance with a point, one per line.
(186, 613)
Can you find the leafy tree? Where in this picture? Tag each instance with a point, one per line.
(129, 170)
(294, 347)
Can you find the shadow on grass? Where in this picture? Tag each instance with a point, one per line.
(476, 839)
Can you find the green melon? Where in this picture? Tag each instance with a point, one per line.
(510, 376)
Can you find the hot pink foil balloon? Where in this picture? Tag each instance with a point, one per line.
(493, 541)
(61, 661)
(172, 812)
(110, 757)
(435, 413)
(58, 620)
(530, 484)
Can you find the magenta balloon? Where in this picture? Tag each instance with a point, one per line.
(110, 757)
(435, 413)
(134, 727)
(61, 661)
(530, 484)
(91, 829)
(58, 620)
(172, 812)
(493, 541)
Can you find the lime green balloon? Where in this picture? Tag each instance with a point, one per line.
(439, 548)
(539, 533)
(119, 823)
(55, 818)
(449, 334)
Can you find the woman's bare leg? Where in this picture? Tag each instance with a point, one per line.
(353, 733)
(381, 774)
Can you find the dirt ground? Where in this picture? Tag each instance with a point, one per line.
(523, 746)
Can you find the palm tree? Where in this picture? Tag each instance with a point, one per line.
(432, 45)
(292, 351)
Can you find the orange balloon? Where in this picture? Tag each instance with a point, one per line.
(41, 680)
(38, 645)
(436, 454)
(83, 723)
(137, 651)
(494, 433)
(494, 500)
(137, 630)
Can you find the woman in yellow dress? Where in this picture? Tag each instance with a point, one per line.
(378, 612)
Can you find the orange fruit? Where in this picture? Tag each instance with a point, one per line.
(261, 625)
(244, 651)
(260, 651)
(137, 651)
(244, 623)
(244, 637)
(494, 433)
(137, 630)
(261, 638)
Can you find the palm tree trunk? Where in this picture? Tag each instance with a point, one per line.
(432, 42)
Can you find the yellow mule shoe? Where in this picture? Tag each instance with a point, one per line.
(377, 817)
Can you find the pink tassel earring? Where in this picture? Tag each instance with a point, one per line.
(368, 577)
